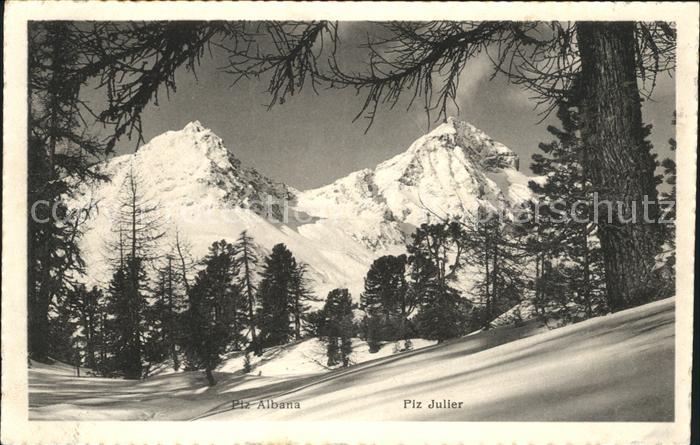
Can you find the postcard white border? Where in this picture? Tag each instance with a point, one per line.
(16, 429)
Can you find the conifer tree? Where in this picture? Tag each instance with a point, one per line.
(127, 306)
(300, 296)
(274, 295)
(435, 256)
(567, 250)
(182, 252)
(59, 154)
(315, 323)
(387, 300)
(103, 337)
(444, 316)
(85, 306)
(246, 262)
(374, 331)
(137, 231)
(338, 327)
(669, 219)
(165, 311)
(208, 318)
(496, 257)
(63, 326)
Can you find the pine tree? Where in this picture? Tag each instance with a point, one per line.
(137, 222)
(275, 297)
(209, 325)
(85, 306)
(103, 336)
(338, 327)
(127, 305)
(387, 300)
(568, 256)
(444, 316)
(300, 296)
(63, 326)
(496, 258)
(182, 252)
(618, 158)
(668, 273)
(59, 154)
(373, 330)
(315, 323)
(435, 256)
(137, 231)
(246, 262)
(165, 312)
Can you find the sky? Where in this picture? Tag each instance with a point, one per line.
(310, 140)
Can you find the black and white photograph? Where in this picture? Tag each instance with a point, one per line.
(318, 218)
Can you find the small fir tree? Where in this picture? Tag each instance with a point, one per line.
(274, 295)
(209, 315)
(339, 327)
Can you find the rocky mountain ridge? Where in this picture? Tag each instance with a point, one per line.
(205, 193)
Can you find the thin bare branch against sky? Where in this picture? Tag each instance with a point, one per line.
(311, 140)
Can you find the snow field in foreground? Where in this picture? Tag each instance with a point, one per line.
(618, 367)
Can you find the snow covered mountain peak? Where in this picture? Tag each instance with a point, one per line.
(477, 145)
(192, 150)
(206, 193)
(194, 127)
(450, 172)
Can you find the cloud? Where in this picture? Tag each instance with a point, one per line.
(474, 73)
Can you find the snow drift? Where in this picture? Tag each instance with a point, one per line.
(618, 367)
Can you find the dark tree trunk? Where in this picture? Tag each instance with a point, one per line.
(38, 319)
(171, 317)
(103, 341)
(210, 377)
(39, 325)
(487, 315)
(617, 159)
(402, 324)
(90, 361)
(257, 349)
(586, 274)
(494, 297)
(539, 290)
(297, 319)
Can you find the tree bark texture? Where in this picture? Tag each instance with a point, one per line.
(618, 161)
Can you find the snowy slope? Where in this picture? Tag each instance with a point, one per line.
(57, 393)
(618, 367)
(614, 368)
(338, 230)
(297, 358)
(308, 357)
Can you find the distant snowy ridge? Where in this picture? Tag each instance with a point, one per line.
(205, 192)
(450, 172)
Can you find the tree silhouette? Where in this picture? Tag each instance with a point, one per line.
(568, 256)
(208, 318)
(246, 262)
(338, 327)
(275, 296)
(59, 154)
